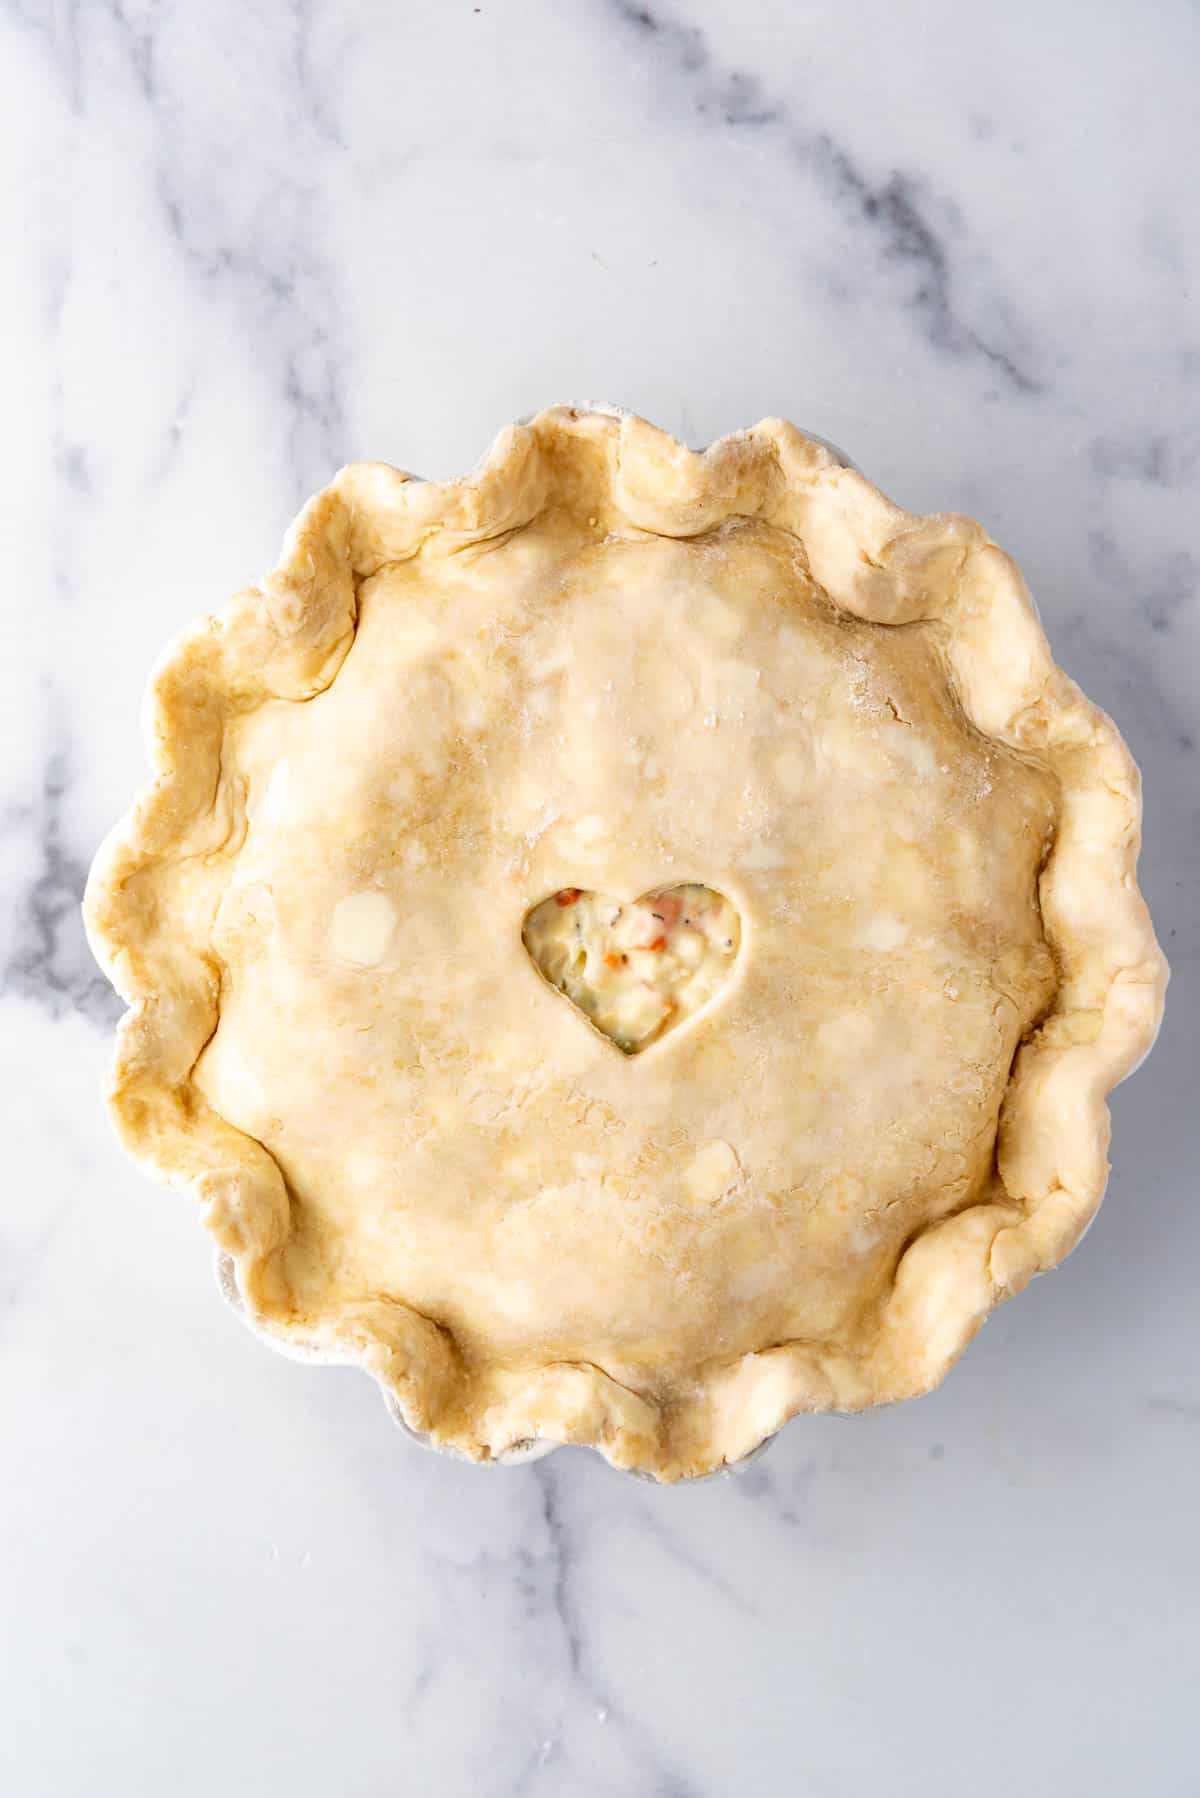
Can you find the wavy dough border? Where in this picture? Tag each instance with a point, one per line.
(287, 638)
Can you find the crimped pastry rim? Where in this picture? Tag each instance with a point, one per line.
(875, 560)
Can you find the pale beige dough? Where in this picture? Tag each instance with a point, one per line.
(604, 663)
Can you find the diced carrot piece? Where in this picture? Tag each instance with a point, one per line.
(567, 895)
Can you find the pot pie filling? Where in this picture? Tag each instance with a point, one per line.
(635, 970)
(407, 793)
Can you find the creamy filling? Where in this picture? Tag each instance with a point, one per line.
(635, 970)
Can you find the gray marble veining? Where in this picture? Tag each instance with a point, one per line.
(904, 223)
(245, 244)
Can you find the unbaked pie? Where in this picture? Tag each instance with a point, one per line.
(630, 945)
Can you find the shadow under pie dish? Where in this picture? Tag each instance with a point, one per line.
(630, 945)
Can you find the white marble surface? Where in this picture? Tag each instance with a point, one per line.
(244, 242)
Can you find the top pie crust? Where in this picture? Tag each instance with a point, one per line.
(605, 661)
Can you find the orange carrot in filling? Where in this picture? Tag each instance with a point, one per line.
(567, 895)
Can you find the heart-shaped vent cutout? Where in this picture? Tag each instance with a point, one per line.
(635, 968)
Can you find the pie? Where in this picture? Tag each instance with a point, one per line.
(630, 945)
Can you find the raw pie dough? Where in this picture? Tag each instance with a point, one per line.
(604, 662)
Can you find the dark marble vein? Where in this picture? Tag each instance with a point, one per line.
(657, 1777)
(785, 1489)
(59, 26)
(49, 960)
(137, 43)
(309, 83)
(910, 227)
(1169, 459)
(1162, 585)
(285, 295)
(56, 29)
(1189, 1409)
(72, 465)
(173, 435)
(673, 1548)
(561, 1592)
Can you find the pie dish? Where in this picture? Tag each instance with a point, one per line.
(607, 675)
